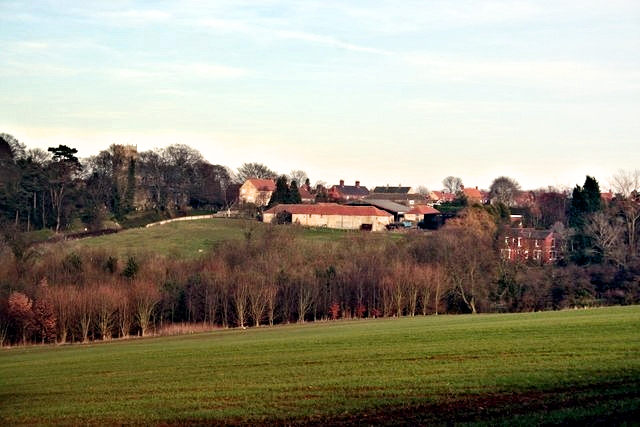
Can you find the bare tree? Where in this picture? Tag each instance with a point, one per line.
(257, 300)
(63, 301)
(124, 313)
(468, 255)
(271, 294)
(306, 293)
(85, 310)
(240, 294)
(399, 287)
(627, 188)
(607, 234)
(422, 190)
(105, 310)
(626, 183)
(452, 184)
(254, 170)
(299, 176)
(504, 190)
(435, 281)
(145, 298)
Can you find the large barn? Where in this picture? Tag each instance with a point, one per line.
(331, 215)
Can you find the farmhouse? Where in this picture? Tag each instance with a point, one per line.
(522, 244)
(257, 191)
(331, 215)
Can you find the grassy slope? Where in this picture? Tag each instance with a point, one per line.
(527, 368)
(177, 238)
(188, 239)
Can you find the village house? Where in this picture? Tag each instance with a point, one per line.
(344, 193)
(306, 196)
(331, 215)
(402, 195)
(523, 244)
(474, 195)
(256, 191)
(439, 197)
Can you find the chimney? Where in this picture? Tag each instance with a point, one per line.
(357, 184)
(342, 183)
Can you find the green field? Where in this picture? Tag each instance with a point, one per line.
(190, 239)
(580, 366)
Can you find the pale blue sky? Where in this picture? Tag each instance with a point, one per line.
(385, 92)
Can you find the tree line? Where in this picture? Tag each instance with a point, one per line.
(277, 275)
(53, 189)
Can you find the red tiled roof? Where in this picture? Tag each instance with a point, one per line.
(473, 193)
(441, 195)
(423, 210)
(263, 184)
(329, 209)
(305, 194)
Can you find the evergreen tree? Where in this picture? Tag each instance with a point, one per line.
(294, 193)
(281, 193)
(585, 201)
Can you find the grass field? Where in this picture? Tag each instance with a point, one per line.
(579, 366)
(189, 239)
(184, 239)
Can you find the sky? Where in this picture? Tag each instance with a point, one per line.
(384, 92)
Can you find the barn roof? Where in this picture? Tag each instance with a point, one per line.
(424, 210)
(328, 209)
(386, 205)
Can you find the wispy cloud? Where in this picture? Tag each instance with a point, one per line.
(31, 45)
(179, 71)
(328, 41)
(568, 74)
(207, 70)
(21, 68)
(134, 16)
(264, 29)
(226, 25)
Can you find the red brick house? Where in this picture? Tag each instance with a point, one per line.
(523, 244)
